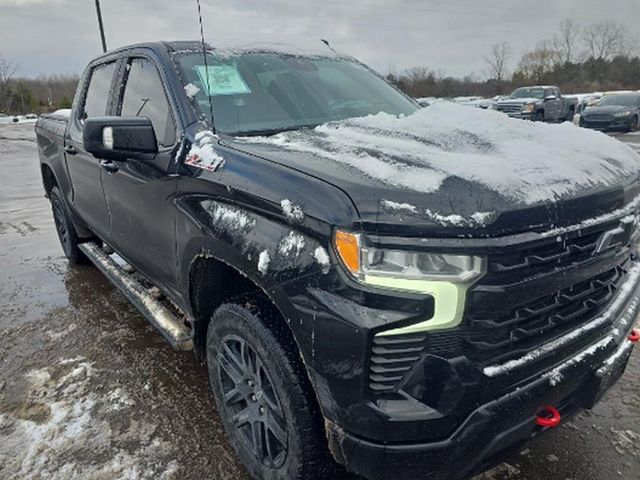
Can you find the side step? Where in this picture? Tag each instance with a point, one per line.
(171, 327)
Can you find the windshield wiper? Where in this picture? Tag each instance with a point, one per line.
(272, 131)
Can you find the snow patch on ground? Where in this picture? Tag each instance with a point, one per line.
(63, 429)
(322, 257)
(524, 161)
(292, 211)
(202, 155)
(263, 262)
(291, 244)
(398, 207)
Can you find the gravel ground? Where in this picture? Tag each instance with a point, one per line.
(89, 390)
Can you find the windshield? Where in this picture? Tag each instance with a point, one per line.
(622, 100)
(528, 93)
(262, 93)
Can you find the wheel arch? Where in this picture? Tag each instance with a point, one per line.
(48, 178)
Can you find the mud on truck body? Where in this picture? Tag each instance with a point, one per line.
(370, 283)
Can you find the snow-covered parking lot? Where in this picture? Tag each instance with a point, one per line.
(88, 390)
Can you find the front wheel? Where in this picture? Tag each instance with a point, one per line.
(633, 126)
(264, 399)
(66, 229)
(538, 116)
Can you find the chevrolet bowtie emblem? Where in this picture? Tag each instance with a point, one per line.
(614, 238)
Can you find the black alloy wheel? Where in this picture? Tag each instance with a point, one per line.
(250, 398)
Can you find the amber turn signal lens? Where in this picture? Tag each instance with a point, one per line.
(348, 247)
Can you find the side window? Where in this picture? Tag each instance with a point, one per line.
(548, 92)
(558, 93)
(144, 96)
(95, 104)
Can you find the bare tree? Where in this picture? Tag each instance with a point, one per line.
(535, 64)
(497, 61)
(607, 39)
(8, 68)
(566, 41)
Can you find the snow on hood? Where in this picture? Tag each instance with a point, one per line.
(526, 162)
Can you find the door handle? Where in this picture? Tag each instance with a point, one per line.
(70, 150)
(109, 166)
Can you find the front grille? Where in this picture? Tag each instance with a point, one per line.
(391, 358)
(518, 330)
(534, 294)
(599, 118)
(510, 108)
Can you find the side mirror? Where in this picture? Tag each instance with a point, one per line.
(119, 138)
(550, 97)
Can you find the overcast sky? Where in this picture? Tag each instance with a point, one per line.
(60, 36)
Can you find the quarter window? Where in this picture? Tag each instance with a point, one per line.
(144, 96)
(97, 98)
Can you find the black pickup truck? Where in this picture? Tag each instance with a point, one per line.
(411, 293)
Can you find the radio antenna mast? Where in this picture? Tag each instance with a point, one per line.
(206, 66)
(101, 26)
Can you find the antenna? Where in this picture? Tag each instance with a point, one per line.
(206, 66)
(101, 26)
(326, 42)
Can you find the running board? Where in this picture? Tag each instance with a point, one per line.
(171, 327)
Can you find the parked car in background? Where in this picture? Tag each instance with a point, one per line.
(613, 112)
(539, 103)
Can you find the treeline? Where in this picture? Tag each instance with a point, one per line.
(600, 56)
(45, 93)
(596, 57)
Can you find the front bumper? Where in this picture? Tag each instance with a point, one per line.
(522, 116)
(612, 123)
(492, 431)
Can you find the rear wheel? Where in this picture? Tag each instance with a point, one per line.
(65, 228)
(570, 114)
(265, 401)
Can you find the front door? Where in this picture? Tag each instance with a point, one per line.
(87, 196)
(140, 193)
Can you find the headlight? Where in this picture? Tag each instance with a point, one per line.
(528, 108)
(365, 261)
(624, 113)
(446, 277)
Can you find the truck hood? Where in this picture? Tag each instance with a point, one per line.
(519, 101)
(451, 170)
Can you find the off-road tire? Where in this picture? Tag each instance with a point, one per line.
(66, 229)
(307, 456)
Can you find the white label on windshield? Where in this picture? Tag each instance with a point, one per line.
(222, 80)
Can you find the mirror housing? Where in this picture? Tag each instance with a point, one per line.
(550, 97)
(119, 138)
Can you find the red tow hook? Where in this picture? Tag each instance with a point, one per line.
(635, 336)
(545, 421)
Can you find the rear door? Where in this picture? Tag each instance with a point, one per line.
(87, 194)
(140, 193)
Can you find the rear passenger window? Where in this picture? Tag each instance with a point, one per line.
(144, 97)
(97, 98)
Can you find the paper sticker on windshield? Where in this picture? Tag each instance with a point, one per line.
(222, 79)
